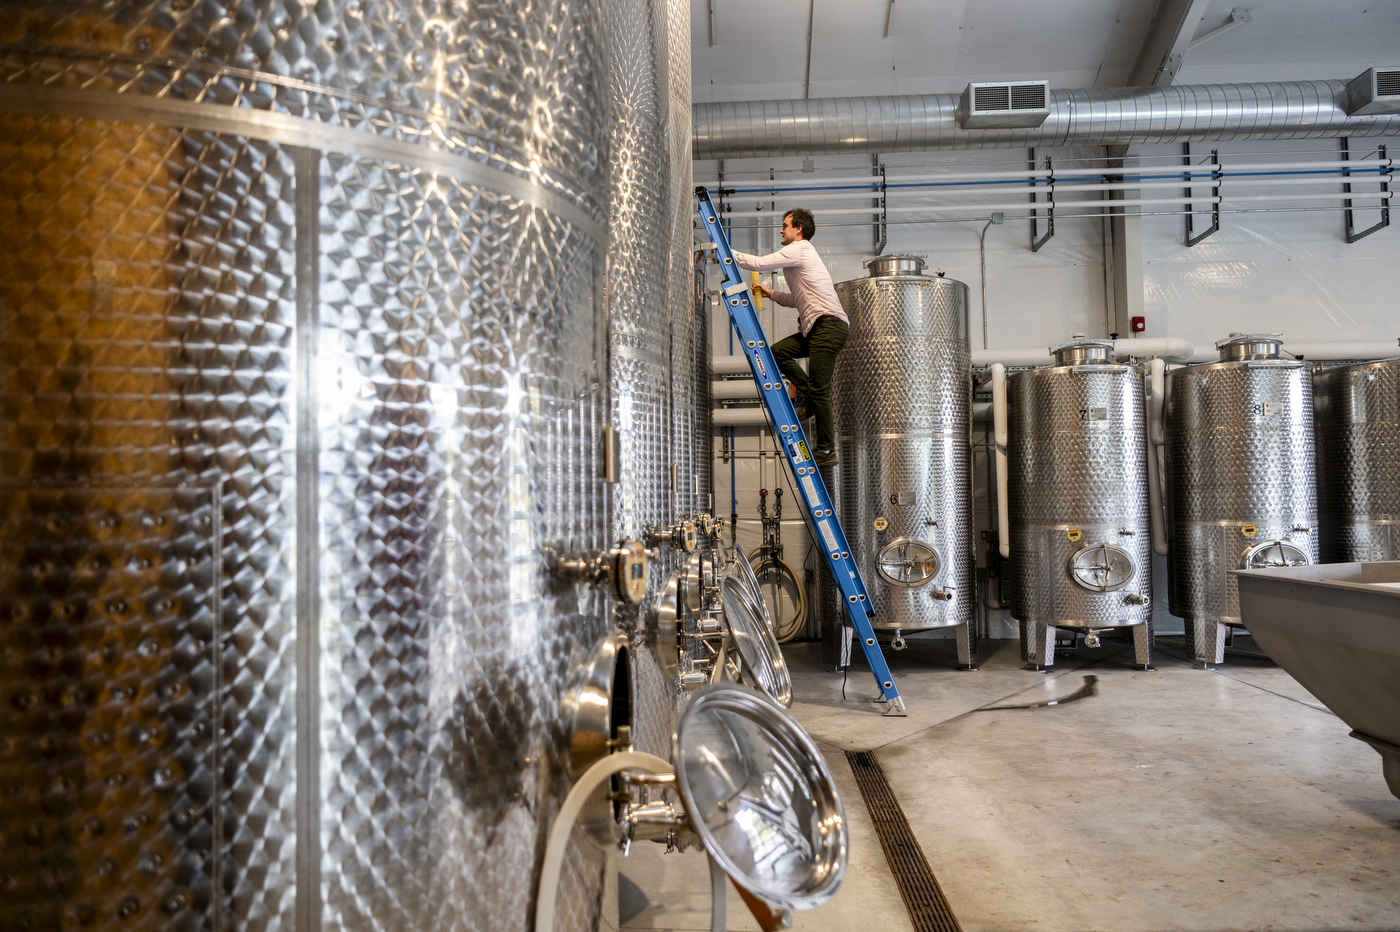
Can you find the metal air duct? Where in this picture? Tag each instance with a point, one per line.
(1084, 117)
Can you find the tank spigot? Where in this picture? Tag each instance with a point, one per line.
(586, 566)
(1134, 598)
(1091, 638)
(898, 643)
(942, 595)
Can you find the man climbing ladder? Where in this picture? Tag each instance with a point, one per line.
(809, 489)
(822, 324)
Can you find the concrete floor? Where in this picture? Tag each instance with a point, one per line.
(1174, 800)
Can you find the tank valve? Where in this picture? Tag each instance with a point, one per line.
(1091, 639)
(1134, 598)
(898, 643)
(941, 595)
(587, 566)
(682, 536)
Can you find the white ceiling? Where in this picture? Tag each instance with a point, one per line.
(939, 46)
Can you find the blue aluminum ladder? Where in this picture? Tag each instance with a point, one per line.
(816, 503)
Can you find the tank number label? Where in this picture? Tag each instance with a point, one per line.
(1266, 408)
(1249, 530)
(1093, 414)
(1073, 534)
(901, 498)
(881, 524)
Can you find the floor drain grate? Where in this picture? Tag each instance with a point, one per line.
(928, 907)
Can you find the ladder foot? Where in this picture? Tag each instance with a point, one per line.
(894, 708)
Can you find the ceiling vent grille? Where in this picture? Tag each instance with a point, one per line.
(1374, 91)
(1003, 105)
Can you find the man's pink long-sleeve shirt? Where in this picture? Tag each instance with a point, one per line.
(809, 283)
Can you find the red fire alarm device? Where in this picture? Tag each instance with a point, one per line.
(1139, 324)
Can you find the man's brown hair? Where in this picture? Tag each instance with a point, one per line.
(804, 221)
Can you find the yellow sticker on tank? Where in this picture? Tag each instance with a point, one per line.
(881, 524)
(1073, 534)
(1249, 530)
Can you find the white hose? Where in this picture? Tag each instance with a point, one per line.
(1155, 438)
(719, 896)
(999, 431)
(568, 813)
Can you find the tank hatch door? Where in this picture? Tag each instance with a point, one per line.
(1101, 567)
(1274, 553)
(907, 563)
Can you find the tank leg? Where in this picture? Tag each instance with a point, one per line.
(1038, 645)
(1207, 640)
(967, 646)
(1142, 646)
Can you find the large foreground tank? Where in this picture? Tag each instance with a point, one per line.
(902, 407)
(303, 383)
(1081, 545)
(1241, 489)
(1358, 461)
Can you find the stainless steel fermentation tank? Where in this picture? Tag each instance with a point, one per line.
(902, 389)
(1241, 489)
(305, 374)
(1081, 544)
(1357, 411)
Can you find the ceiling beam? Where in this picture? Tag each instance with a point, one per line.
(1173, 26)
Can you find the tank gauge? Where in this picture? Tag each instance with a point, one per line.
(629, 571)
(1101, 568)
(1272, 553)
(907, 563)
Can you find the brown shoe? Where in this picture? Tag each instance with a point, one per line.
(805, 412)
(825, 458)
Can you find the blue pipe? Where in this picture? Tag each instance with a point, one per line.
(1170, 176)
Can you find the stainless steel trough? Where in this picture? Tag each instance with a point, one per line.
(1336, 629)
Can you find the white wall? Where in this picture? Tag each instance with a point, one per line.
(1264, 271)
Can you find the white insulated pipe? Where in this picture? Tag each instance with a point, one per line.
(1362, 349)
(733, 389)
(1157, 384)
(739, 417)
(999, 434)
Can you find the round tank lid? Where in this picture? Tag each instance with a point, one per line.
(1081, 351)
(760, 795)
(895, 265)
(1238, 346)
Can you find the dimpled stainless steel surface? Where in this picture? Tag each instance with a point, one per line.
(901, 398)
(1358, 461)
(383, 379)
(1240, 471)
(651, 321)
(1077, 477)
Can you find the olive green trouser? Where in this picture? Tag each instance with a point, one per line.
(820, 347)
